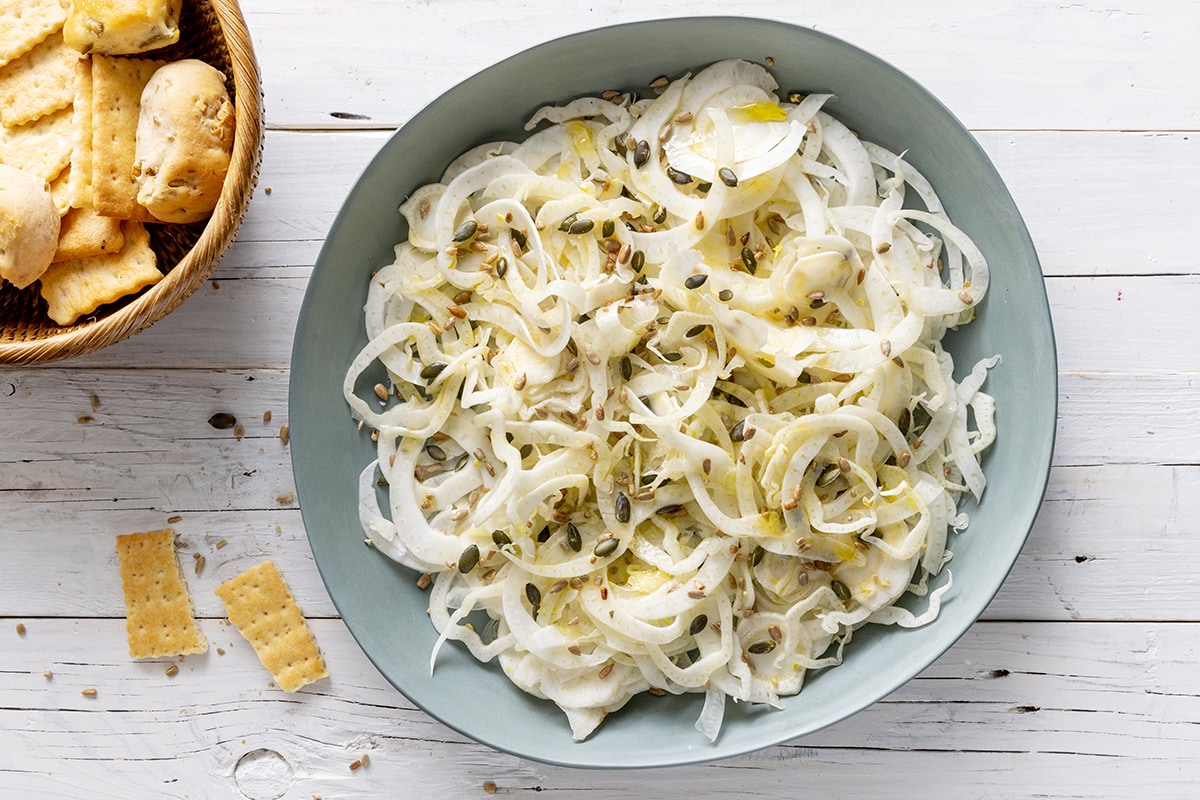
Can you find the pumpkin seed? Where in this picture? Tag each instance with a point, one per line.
(738, 434)
(749, 261)
(842, 591)
(501, 538)
(468, 559)
(672, 357)
(829, 475)
(222, 421)
(623, 508)
(519, 237)
(757, 557)
(681, 178)
(606, 547)
(568, 221)
(465, 232)
(695, 281)
(659, 216)
(696, 330)
(699, 623)
(904, 421)
(725, 295)
(462, 461)
(608, 228)
(626, 368)
(761, 648)
(638, 260)
(544, 534)
(581, 226)
(429, 374)
(641, 154)
(501, 267)
(574, 539)
(728, 177)
(435, 452)
(533, 594)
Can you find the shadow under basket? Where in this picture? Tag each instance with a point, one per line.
(213, 31)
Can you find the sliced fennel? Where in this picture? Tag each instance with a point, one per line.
(666, 399)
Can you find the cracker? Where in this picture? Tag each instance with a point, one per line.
(260, 604)
(41, 147)
(80, 186)
(80, 286)
(158, 609)
(24, 23)
(84, 234)
(60, 190)
(117, 85)
(38, 83)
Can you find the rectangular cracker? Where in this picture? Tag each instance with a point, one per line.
(41, 147)
(24, 23)
(80, 286)
(37, 83)
(159, 620)
(117, 85)
(84, 233)
(60, 191)
(79, 189)
(260, 604)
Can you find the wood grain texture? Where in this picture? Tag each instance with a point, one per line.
(1031, 705)
(1078, 682)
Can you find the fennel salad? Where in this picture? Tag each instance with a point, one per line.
(666, 404)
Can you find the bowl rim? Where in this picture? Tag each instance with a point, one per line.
(215, 238)
(716, 752)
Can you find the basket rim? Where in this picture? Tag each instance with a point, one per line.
(218, 233)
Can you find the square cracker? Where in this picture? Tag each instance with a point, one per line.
(84, 234)
(37, 83)
(80, 286)
(260, 604)
(41, 147)
(117, 85)
(24, 23)
(79, 188)
(158, 609)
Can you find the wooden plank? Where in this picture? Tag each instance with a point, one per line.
(1117, 513)
(1096, 203)
(1004, 713)
(1011, 64)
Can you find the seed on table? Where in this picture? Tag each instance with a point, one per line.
(89, 692)
(381, 391)
(222, 421)
(285, 433)
(172, 671)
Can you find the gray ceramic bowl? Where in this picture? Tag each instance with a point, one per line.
(379, 600)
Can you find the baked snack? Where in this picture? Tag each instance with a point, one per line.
(184, 140)
(28, 226)
(121, 27)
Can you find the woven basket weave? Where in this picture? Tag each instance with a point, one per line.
(213, 31)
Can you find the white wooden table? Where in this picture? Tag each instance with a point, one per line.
(1081, 680)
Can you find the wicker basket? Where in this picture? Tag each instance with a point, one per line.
(213, 31)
